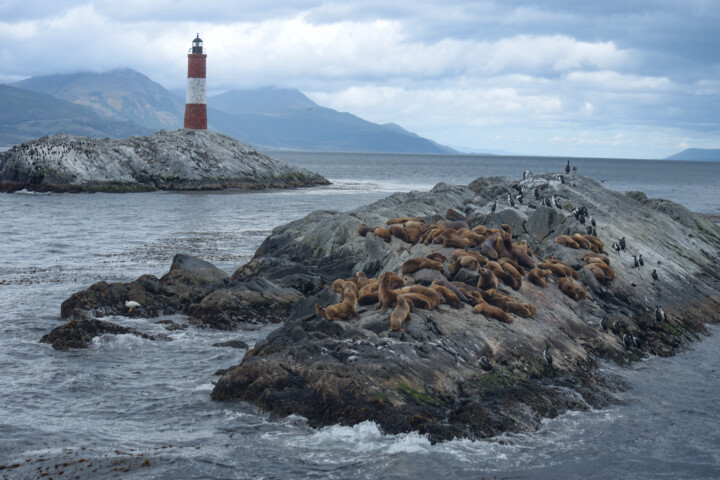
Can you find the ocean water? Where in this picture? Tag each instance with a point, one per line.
(132, 408)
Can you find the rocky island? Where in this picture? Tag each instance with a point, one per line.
(179, 160)
(462, 312)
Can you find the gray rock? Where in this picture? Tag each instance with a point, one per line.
(428, 378)
(180, 160)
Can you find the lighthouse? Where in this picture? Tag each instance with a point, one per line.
(195, 108)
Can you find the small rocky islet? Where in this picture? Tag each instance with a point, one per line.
(485, 317)
(177, 161)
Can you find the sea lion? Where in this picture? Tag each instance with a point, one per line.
(567, 241)
(386, 296)
(514, 273)
(453, 214)
(413, 231)
(572, 289)
(452, 288)
(437, 256)
(469, 262)
(371, 287)
(480, 230)
(522, 257)
(537, 276)
(419, 300)
(502, 275)
(400, 314)
(595, 258)
(487, 248)
(342, 310)
(392, 221)
(597, 272)
(338, 285)
(364, 230)
(418, 263)
(399, 232)
(503, 245)
(456, 242)
(383, 233)
(447, 295)
(559, 269)
(524, 310)
(454, 224)
(608, 272)
(427, 292)
(487, 279)
(582, 241)
(596, 245)
(362, 279)
(368, 299)
(492, 312)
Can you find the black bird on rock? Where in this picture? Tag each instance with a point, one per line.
(485, 364)
(604, 323)
(592, 221)
(567, 167)
(519, 199)
(640, 260)
(494, 206)
(635, 262)
(511, 201)
(622, 243)
(616, 247)
(660, 314)
(547, 356)
(655, 275)
(537, 193)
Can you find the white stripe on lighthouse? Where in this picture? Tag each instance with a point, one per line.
(195, 90)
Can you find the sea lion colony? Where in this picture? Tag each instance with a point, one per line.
(490, 252)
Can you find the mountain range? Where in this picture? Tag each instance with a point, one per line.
(126, 102)
(697, 154)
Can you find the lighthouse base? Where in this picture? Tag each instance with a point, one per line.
(196, 116)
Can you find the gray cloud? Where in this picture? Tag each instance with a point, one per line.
(613, 78)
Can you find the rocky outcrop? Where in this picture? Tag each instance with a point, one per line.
(79, 331)
(194, 287)
(456, 373)
(180, 160)
(458, 369)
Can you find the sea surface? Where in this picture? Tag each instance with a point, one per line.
(133, 408)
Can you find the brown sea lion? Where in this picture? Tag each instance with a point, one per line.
(413, 231)
(597, 245)
(487, 279)
(559, 268)
(420, 301)
(454, 224)
(368, 299)
(362, 279)
(437, 256)
(524, 310)
(582, 241)
(469, 262)
(338, 285)
(487, 248)
(453, 214)
(428, 292)
(398, 231)
(400, 314)
(386, 296)
(522, 257)
(418, 263)
(492, 312)
(503, 245)
(364, 230)
(480, 230)
(342, 310)
(572, 289)
(448, 296)
(383, 233)
(507, 228)
(456, 242)
(392, 221)
(595, 258)
(371, 287)
(567, 241)
(537, 276)
(510, 269)
(501, 274)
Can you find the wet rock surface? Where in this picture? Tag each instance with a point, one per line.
(79, 331)
(180, 160)
(449, 372)
(454, 373)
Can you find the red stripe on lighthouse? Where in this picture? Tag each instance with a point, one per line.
(195, 108)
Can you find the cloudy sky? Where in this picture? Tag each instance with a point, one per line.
(600, 78)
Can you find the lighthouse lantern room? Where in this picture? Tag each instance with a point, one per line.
(195, 107)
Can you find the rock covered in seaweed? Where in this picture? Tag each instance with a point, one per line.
(179, 160)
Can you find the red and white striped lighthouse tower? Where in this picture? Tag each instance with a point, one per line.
(195, 108)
